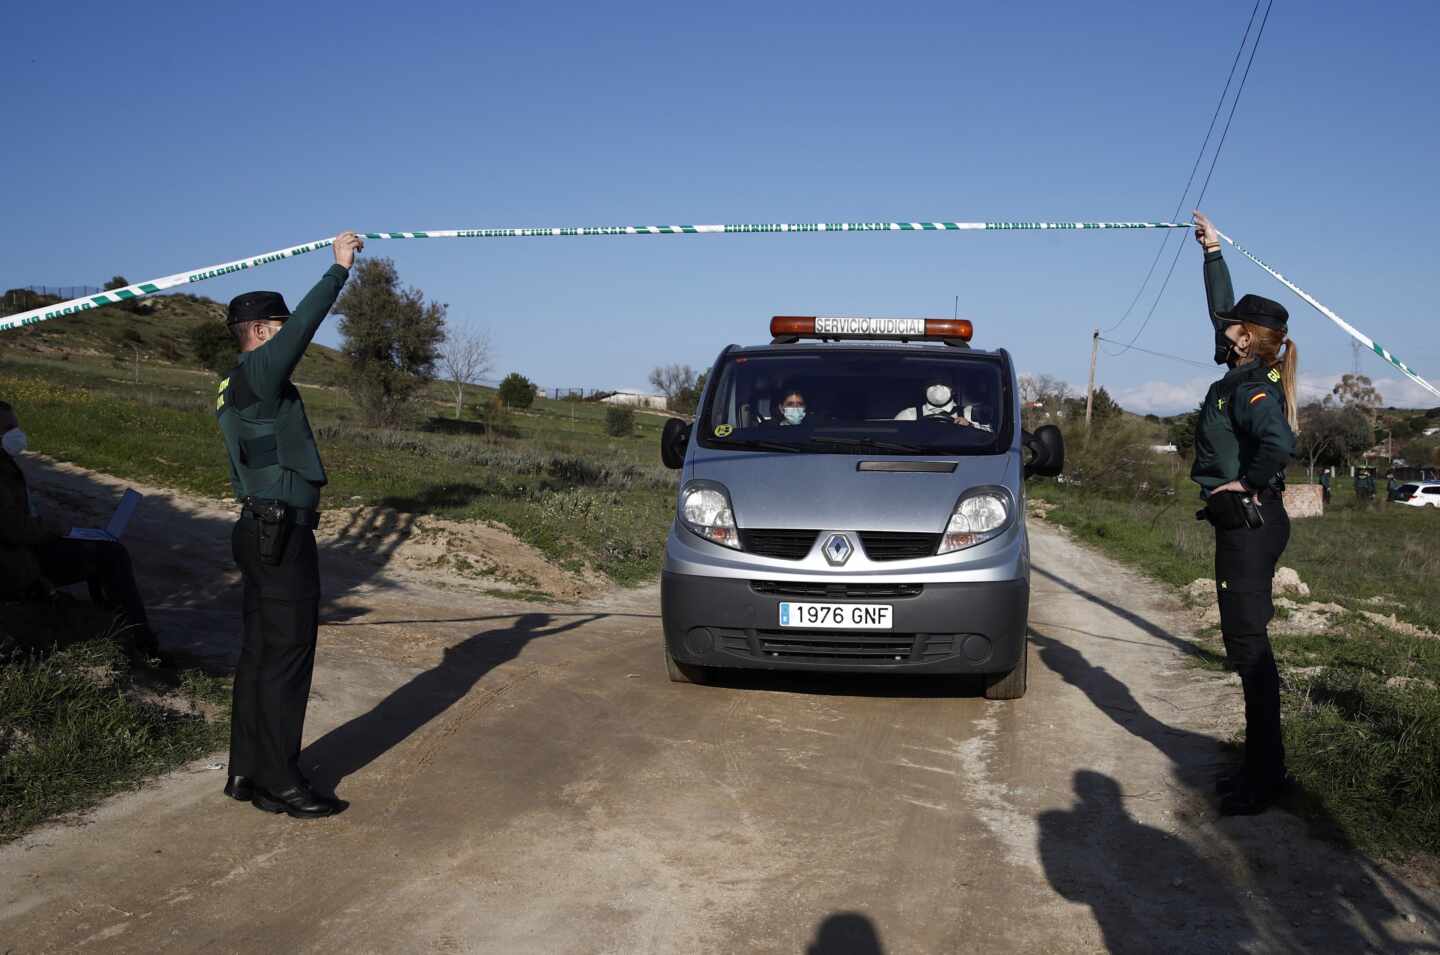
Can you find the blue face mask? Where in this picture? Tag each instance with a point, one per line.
(793, 415)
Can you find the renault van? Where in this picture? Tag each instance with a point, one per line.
(852, 499)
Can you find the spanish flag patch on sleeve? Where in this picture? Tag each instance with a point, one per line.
(1258, 396)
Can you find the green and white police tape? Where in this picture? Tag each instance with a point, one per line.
(141, 289)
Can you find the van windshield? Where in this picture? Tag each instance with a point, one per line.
(858, 401)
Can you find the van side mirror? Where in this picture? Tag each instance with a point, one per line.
(1044, 450)
(673, 440)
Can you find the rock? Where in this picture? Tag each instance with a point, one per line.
(1304, 500)
(1399, 626)
(1287, 581)
(1405, 682)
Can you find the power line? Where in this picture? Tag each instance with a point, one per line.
(1204, 143)
(1159, 354)
(1239, 91)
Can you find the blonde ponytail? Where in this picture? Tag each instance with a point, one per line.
(1289, 375)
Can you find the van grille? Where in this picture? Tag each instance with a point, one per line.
(784, 544)
(824, 591)
(891, 545)
(822, 647)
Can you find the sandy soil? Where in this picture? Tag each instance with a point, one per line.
(525, 779)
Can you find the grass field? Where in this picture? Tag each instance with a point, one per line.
(549, 473)
(1361, 705)
(77, 724)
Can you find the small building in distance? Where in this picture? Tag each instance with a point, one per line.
(637, 399)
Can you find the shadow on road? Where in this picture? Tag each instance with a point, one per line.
(354, 745)
(846, 933)
(1340, 909)
(1145, 886)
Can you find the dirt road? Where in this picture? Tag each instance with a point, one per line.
(524, 779)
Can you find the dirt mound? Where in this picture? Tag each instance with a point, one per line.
(451, 553)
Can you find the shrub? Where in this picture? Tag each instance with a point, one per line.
(214, 347)
(619, 422)
(517, 391)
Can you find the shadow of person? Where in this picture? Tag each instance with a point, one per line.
(1196, 757)
(1149, 890)
(352, 746)
(846, 933)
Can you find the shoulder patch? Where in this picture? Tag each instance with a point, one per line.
(1274, 375)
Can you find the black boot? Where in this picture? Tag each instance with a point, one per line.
(297, 802)
(240, 788)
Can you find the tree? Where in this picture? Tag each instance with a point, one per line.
(1042, 399)
(466, 360)
(120, 281)
(1104, 407)
(686, 400)
(675, 382)
(214, 347)
(1331, 434)
(1356, 391)
(392, 339)
(1181, 432)
(517, 391)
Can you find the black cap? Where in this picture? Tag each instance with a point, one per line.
(1257, 310)
(262, 307)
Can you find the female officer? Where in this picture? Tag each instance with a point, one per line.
(1244, 439)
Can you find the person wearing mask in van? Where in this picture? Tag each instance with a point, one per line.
(939, 402)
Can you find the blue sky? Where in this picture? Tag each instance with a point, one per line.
(157, 138)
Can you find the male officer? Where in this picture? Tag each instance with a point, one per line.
(277, 475)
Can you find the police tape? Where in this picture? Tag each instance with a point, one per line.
(1345, 326)
(141, 289)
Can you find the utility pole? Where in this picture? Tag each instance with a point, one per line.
(1090, 391)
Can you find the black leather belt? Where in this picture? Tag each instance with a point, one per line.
(300, 517)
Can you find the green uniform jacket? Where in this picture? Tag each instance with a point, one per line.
(1242, 431)
(267, 435)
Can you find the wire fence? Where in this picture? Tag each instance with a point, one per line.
(26, 297)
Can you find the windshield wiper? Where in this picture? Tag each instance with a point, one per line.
(873, 444)
(761, 445)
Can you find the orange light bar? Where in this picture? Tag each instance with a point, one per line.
(782, 326)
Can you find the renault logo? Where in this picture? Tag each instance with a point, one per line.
(837, 549)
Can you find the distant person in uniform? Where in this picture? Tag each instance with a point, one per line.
(277, 475)
(1325, 481)
(1243, 441)
(36, 555)
(1365, 484)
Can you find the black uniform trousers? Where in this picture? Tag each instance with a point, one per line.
(1245, 560)
(105, 566)
(277, 656)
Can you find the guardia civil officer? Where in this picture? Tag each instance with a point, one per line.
(1244, 439)
(277, 475)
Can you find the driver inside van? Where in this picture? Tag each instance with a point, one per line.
(940, 404)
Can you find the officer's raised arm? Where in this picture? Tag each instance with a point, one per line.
(1219, 292)
(271, 366)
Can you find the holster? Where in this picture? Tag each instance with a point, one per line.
(1231, 511)
(272, 528)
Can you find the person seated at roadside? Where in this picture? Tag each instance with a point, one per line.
(36, 556)
(939, 404)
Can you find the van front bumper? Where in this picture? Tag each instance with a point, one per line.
(953, 627)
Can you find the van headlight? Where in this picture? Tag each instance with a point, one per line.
(706, 512)
(980, 515)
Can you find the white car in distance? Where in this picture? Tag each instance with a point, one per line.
(1422, 494)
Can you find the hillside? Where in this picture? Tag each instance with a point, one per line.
(160, 328)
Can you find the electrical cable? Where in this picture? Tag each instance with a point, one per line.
(1204, 144)
(1159, 354)
(1214, 159)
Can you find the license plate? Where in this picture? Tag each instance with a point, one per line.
(811, 616)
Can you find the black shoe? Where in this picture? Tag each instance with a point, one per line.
(1249, 799)
(297, 802)
(240, 788)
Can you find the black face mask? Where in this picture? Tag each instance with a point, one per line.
(1224, 348)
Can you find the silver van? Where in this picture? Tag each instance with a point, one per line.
(852, 500)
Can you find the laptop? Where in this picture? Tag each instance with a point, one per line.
(118, 521)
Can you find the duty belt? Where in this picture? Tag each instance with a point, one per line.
(300, 517)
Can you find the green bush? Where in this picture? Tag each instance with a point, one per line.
(517, 391)
(619, 422)
(214, 347)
